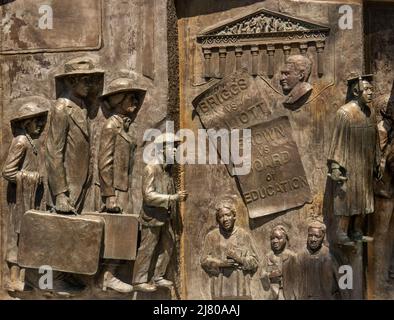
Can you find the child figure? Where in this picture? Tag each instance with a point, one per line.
(21, 170)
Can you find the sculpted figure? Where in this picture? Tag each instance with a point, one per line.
(68, 142)
(116, 151)
(383, 221)
(229, 256)
(316, 268)
(115, 160)
(158, 209)
(279, 267)
(22, 170)
(352, 161)
(294, 77)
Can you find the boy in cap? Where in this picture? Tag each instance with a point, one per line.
(21, 170)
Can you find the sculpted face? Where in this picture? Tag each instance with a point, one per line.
(35, 126)
(226, 219)
(130, 104)
(81, 87)
(315, 239)
(367, 93)
(278, 241)
(290, 77)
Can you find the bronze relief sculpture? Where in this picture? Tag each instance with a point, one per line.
(294, 81)
(316, 268)
(158, 210)
(82, 199)
(68, 143)
(22, 170)
(229, 256)
(116, 149)
(115, 160)
(352, 161)
(278, 270)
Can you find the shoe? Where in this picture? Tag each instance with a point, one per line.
(65, 285)
(64, 289)
(145, 287)
(163, 282)
(366, 239)
(111, 282)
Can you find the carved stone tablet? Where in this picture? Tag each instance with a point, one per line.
(277, 179)
(120, 235)
(66, 243)
(234, 102)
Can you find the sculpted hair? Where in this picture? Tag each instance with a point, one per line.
(282, 230)
(301, 64)
(317, 225)
(227, 204)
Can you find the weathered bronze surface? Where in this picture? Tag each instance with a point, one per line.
(82, 82)
(229, 256)
(69, 244)
(234, 102)
(120, 235)
(277, 180)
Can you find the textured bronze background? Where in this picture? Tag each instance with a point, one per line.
(69, 244)
(21, 32)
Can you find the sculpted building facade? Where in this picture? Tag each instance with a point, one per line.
(84, 107)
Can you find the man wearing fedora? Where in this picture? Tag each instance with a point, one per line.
(68, 144)
(158, 211)
(116, 157)
(22, 171)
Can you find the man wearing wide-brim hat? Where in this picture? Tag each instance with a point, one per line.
(116, 157)
(68, 143)
(22, 170)
(117, 145)
(157, 213)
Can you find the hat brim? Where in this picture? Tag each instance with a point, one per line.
(139, 91)
(79, 72)
(29, 116)
(368, 77)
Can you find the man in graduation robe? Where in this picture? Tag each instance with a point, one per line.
(352, 161)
